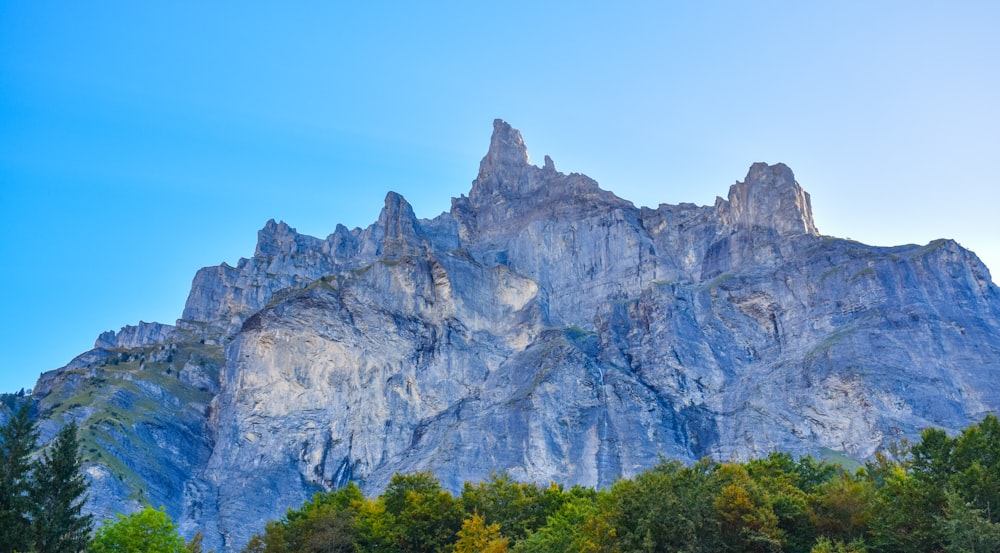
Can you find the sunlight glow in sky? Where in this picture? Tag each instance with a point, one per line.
(140, 141)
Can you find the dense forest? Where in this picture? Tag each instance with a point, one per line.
(939, 494)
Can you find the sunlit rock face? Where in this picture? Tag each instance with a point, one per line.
(545, 327)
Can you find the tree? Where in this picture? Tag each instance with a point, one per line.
(324, 524)
(789, 484)
(840, 508)
(147, 531)
(58, 497)
(424, 516)
(17, 440)
(665, 509)
(518, 508)
(901, 517)
(744, 508)
(976, 465)
(563, 531)
(476, 537)
(195, 544)
(428, 523)
(255, 545)
(331, 531)
(373, 526)
(400, 486)
(967, 529)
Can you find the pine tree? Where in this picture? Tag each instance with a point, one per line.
(17, 440)
(58, 497)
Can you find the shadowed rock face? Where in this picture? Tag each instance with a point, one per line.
(543, 326)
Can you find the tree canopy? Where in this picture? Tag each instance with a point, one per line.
(147, 531)
(17, 440)
(939, 494)
(58, 496)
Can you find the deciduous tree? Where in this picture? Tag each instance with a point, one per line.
(147, 531)
(478, 537)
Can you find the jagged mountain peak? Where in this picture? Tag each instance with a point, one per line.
(544, 327)
(510, 193)
(395, 206)
(276, 238)
(398, 227)
(761, 171)
(506, 173)
(503, 167)
(506, 149)
(769, 197)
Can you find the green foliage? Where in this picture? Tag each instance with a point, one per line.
(563, 531)
(14, 401)
(57, 495)
(901, 516)
(826, 545)
(17, 440)
(790, 485)
(374, 526)
(130, 374)
(478, 537)
(518, 508)
(325, 524)
(41, 500)
(938, 488)
(668, 508)
(839, 508)
(939, 494)
(402, 485)
(425, 517)
(975, 474)
(966, 529)
(147, 531)
(427, 522)
(746, 511)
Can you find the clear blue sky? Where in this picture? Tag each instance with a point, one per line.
(140, 141)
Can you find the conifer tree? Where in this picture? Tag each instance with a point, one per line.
(58, 497)
(17, 440)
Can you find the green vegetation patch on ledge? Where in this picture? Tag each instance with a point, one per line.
(110, 399)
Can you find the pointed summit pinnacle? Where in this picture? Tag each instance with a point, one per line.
(504, 162)
(506, 147)
(276, 239)
(770, 197)
(399, 228)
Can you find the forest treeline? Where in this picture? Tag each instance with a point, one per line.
(939, 494)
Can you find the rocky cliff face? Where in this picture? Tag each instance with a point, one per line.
(543, 326)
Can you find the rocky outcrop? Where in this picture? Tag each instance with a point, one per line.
(542, 326)
(135, 336)
(769, 199)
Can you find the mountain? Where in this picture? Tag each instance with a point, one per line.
(542, 326)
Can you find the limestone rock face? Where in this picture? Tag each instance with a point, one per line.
(135, 336)
(769, 198)
(542, 326)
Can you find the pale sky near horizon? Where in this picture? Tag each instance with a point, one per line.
(140, 141)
